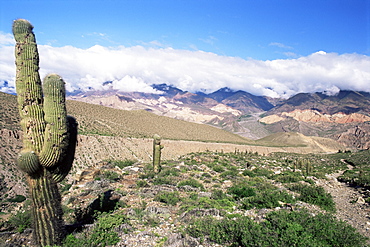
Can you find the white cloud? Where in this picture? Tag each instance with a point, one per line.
(136, 68)
(280, 45)
(132, 84)
(6, 39)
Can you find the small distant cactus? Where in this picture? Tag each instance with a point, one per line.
(49, 136)
(157, 149)
(308, 167)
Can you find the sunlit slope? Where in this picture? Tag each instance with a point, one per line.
(96, 119)
(294, 139)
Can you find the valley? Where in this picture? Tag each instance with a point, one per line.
(201, 164)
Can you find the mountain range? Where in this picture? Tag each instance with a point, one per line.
(344, 117)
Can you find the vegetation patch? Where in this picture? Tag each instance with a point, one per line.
(315, 195)
(281, 228)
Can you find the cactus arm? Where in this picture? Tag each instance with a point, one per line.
(62, 171)
(29, 163)
(28, 85)
(56, 135)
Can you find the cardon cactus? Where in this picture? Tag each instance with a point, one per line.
(157, 148)
(49, 136)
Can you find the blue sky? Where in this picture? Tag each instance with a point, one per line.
(263, 31)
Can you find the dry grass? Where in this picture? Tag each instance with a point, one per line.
(9, 116)
(96, 119)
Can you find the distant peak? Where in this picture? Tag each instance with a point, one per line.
(226, 90)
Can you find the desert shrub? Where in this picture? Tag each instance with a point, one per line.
(281, 228)
(191, 182)
(364, 178)
(148, 172)
(315, 195)
(65, 186)
(239, 191)
(358, 177)
(228, 232)
(218, 168)
(141, 183)
(288, 177)
(102, 234)
(110, 175)
(258, 172)
(17, 198)
(169, 172)
(322, 229)
(122, 163)
(206, 175)
(165, 180)
(229, 174)
(206, 203)
(267, 199)
(218, 195)
(20, 221)
(171, 198)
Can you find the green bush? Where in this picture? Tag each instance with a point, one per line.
(148, 172)
(267, 199)
(229, 174)
(240, 191)
(357, 177)
(218, 195)
(171, 198)
(218, 168)
(258, 172)
(288, 177)
(165, 180)
(17, 198)
(315, 195)
(20, 221)
(101, 235)
(168, 172)
(206, 203)
(281, 228)
(319, 230)
(141, 183)
(122, 163)
(191, 182)
(110, 175)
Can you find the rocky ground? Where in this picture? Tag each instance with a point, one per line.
(350, 204)
(153, 223)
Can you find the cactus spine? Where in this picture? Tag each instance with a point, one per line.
(49, 136)
(157, 148)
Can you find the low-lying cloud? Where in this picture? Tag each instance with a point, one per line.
(136, 68)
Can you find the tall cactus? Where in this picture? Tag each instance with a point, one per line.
(157, 148)
(49, 136)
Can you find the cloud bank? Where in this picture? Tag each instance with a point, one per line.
(136, 68)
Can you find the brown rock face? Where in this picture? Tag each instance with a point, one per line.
(357, 137)
(314, 116)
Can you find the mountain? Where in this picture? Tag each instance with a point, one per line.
(222, 108)
(167, 89)
(169, 101)
(221, 94)
(340, 117)
(346, 102)
(241, 100)
(344, 117)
